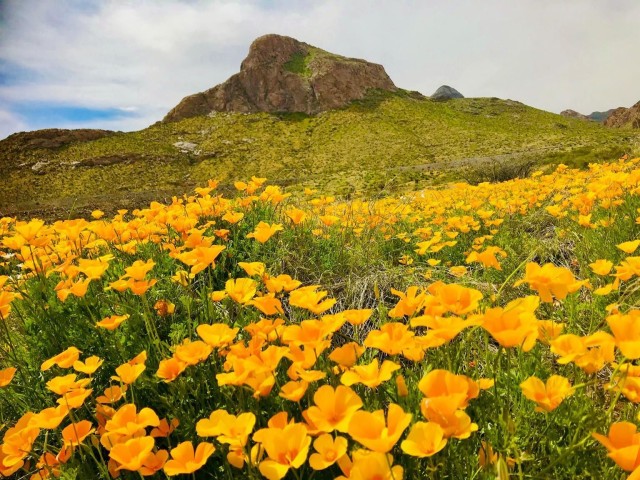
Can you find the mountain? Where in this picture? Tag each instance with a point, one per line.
(573, 114)
(346, 129)
(624, 117)
(445, 92)
(282, 74)
(599, 117)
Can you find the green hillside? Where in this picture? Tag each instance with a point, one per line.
(389, 142)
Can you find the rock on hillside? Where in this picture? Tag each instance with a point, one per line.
(282, 74)
(624, 117)
(445, 92)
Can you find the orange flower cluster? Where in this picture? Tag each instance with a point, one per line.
(366, 387)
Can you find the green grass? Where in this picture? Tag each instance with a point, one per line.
(385, 143)
(299, 63)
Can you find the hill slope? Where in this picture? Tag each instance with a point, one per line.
(390, 140)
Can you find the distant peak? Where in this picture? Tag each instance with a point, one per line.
(573, 114)
(445, 92)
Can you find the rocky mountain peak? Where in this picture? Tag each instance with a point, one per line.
(271, 52)
(282, 74)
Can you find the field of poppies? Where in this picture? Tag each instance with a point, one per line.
(459, 332)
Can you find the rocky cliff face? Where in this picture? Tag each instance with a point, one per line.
(624, 117)
(281, 74)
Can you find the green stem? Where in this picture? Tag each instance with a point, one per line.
(516, 270)
(13, 353)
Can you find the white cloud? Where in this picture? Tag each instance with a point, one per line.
(10, 123)
(146, 55)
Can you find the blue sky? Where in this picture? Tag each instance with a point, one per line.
(47, 115)
(122, 64)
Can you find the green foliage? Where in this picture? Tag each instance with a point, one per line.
(498, 170)
(299, 63)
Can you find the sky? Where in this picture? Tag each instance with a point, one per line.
(123, 64)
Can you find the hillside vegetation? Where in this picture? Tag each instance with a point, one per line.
(460, 332)
(390, 142)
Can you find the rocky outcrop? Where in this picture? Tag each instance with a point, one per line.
(624, 117)
(445, 92)
(282, 74)
(51, 138)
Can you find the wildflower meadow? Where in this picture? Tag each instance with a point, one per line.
(458, 332)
